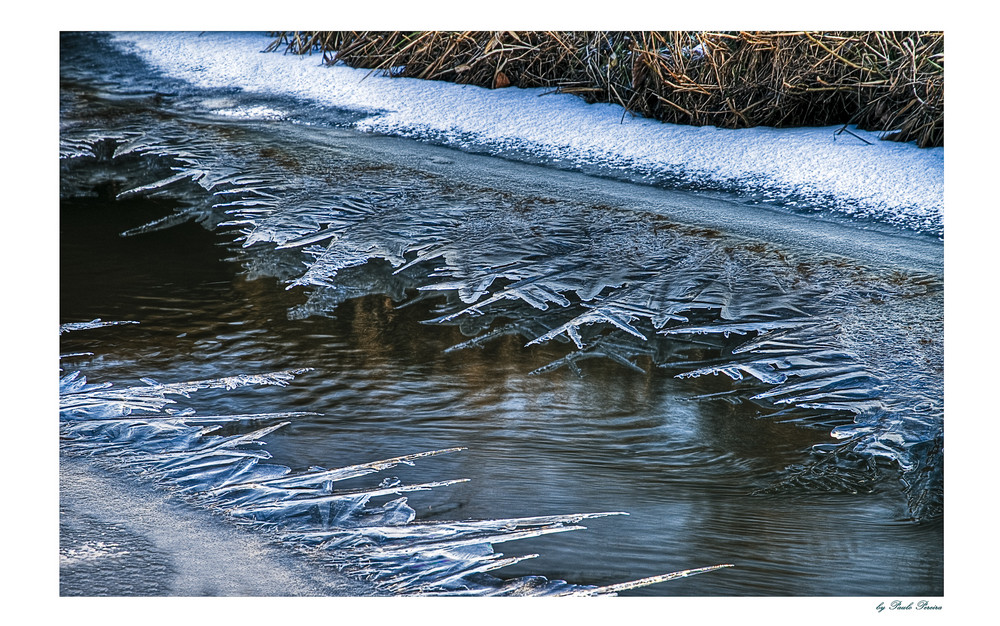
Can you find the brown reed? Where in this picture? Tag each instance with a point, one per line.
(886, 81)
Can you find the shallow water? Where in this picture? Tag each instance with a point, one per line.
(613, 429)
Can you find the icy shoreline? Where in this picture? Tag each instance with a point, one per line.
(894, 183)
(130, 540)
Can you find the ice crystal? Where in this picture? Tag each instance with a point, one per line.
(610, 283)
(130, 430)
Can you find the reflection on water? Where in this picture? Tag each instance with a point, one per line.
(391, 269)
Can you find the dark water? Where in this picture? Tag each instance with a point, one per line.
(681, 456)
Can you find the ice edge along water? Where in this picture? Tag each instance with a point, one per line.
(887, 181)
(797, 344)
(558, 274)
(132, 430)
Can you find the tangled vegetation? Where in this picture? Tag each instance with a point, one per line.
(886, 81)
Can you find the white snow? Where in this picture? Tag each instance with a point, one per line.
(89, 552)
(259, 112)
(894, 182)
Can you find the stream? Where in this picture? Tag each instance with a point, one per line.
(753, 386)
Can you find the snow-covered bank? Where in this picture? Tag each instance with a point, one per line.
(895, 183)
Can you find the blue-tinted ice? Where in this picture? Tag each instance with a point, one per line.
(825, 341)
(812, 339)
(131, 430)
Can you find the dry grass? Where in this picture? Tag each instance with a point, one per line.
(881, 81)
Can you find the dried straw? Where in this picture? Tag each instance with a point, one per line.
(885, 81)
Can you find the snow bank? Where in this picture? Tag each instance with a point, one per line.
(892, 182)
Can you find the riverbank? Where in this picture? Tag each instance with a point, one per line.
(885, 81)
(802, 169)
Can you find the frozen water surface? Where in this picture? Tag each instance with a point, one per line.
(820, 168)
(717, 369)
(129, 431)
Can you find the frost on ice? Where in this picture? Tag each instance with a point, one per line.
(131, 430)
(814, 340)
